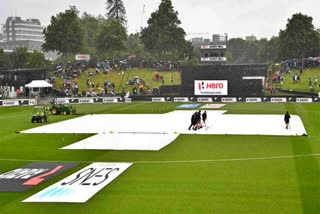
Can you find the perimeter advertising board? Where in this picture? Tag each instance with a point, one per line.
(304, 100)
(110, 100)
(211, 87)
(10, 103)
(82, 185)
(278, 99)
(253, 100)
(84, 100)
(29, 176)
(158, 99)
(229, 100)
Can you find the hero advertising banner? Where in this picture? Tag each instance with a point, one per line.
(211, 87)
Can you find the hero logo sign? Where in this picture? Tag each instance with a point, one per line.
(22, 179)
(82, 185)
(82, 57)
(211, 87)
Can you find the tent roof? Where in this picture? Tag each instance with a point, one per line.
(38, 84)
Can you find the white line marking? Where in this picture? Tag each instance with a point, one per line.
(181, 161)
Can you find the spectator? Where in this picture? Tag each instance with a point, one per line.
(309, 79)
(301, 70)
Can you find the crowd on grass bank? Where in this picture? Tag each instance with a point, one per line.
(300, 67)
(72, 71)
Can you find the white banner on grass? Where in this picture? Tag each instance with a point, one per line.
(82, 185)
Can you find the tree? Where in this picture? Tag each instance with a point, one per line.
(111, 38)
(36, 60)
(116, 11)
(2, 60)
(300, 39)
(237, 47)
(163, 35)
(64, 34)
(269, 50)
(19, 58)
(90, 26)
(134, 44)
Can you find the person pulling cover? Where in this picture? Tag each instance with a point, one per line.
(287, 119)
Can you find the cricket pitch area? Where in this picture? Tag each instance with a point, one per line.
(155, 131)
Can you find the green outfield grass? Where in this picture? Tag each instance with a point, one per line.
(278, 185)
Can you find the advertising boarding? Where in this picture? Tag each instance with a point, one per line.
(29, 176)
(211, 87)
(82, 185)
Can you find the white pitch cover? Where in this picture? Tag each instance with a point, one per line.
(82, 185)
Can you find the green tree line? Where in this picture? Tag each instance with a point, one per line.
(20, 58)
(300, 39)
(105, 37)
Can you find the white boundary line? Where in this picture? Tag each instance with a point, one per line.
(181, 161)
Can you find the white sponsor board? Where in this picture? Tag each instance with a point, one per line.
(228, 99)
(158, 99)
(213, 59)
(304, 100)
(278, 100)
(213, 46)
(32, 102)
(10, 103)
(127, 100)
(253, 100)
(86, 101)
(181, 99)
(61, 100)
(211, 87)
(110, 100)
(82, 57)
(205, 99)
(82, 185)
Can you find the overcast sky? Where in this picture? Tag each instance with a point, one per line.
(238, 18)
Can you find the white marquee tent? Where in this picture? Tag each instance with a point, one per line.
(38, 87)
